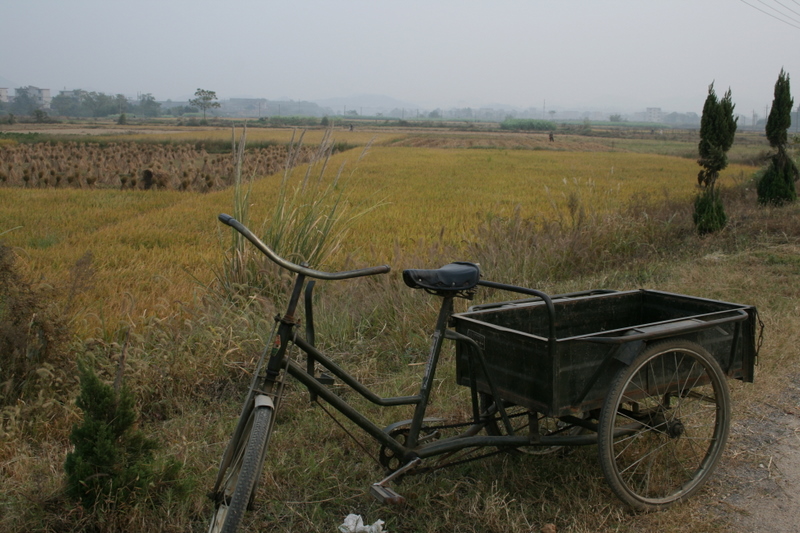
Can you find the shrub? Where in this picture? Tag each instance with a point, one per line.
(709, 213)
(776, 186)
(112, 462)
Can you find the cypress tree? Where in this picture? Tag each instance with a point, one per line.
(777, 185)
(717, 131)
(780, 116)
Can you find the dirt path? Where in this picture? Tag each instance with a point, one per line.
(763, 474)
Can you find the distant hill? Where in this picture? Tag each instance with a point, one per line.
(371, 103)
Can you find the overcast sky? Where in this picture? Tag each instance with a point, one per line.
(619, 55)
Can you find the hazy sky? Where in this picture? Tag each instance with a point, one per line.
(620, 55)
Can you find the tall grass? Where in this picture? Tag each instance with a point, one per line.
(309, 218)
(234, 271)
(585, 233)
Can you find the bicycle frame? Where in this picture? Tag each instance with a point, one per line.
(414, 445)
(287, 335)
(412, 448)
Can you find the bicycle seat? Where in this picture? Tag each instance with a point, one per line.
(459, 276)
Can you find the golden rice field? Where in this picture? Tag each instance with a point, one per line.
(151, 248)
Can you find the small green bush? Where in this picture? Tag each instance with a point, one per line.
(776, 186)
(709, 212)
(113, 462)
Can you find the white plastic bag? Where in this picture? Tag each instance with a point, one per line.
(353, 523)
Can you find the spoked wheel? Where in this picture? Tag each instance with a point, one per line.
(520, 418)
(664, 424)
(242, 471)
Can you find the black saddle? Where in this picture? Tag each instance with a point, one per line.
(455, 277)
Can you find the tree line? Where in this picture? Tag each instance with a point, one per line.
(91, 104)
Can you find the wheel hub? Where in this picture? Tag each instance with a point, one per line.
(675, 429)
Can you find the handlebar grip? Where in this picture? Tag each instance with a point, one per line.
(297, 269)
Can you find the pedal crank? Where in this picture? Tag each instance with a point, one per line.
(383, 493)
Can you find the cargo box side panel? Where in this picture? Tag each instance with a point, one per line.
(574, 317)
(519, 365)
(585, 376)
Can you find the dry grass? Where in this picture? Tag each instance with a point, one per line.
(190, 353)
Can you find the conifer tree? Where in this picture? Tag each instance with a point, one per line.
(777, 186)
(112, 460)
(717, 131)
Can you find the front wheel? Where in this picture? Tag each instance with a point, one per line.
(241, 475)
(664, 424)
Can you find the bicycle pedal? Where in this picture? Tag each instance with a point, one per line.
(386, 495)
(326, 379)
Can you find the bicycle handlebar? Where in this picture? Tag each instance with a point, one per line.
(297, 269)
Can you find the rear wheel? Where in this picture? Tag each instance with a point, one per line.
(241, 475)
(664, 424)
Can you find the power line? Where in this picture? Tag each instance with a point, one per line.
(770, 14)
(789, 8)
(778, 11)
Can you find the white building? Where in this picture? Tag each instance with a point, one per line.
(40, 96)
(3, 94)
(653, 114)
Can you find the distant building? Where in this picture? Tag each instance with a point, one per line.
(653, 114)
(3, 95)
(40, 96)
(75, 93)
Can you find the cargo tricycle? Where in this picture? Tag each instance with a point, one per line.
(642, 374)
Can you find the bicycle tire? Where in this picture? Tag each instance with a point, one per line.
(660, 438)
(242, 476)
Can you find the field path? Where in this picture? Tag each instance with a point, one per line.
(764, 473)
